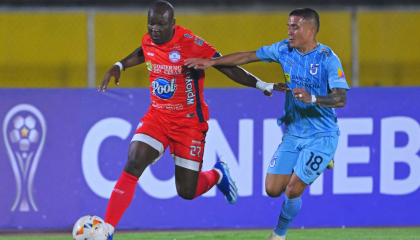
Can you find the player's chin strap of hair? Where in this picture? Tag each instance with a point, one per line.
(263, 86)
(119, 64)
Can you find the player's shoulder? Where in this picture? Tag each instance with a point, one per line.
(145, 39)
(185, 34)
(327, 52)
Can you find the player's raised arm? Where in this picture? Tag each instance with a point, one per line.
(234, 59)
(135, 58)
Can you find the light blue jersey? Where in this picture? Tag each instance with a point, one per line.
(318, 71)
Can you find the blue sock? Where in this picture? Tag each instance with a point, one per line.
(289, 211)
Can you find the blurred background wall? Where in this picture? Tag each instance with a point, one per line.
(74, 43)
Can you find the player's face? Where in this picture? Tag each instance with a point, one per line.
(299, 32)
(160, 26)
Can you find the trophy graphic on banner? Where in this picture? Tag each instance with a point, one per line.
(24, 132)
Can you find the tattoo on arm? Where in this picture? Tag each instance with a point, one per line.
(335, 99)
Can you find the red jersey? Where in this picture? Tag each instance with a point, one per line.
(174, 88)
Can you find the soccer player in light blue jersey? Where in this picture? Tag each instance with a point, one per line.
(316, 85)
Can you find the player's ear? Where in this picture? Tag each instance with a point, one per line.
(173, 22)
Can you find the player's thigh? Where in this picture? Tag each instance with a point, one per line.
(315, 157)
(140, 155)
(281, 167)
(275, 184)
(148, 143)
(187, 148)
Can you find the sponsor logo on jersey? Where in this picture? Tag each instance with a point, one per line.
(150, 54)
(171, 107)
(188, 36)
(302, 81)
(189, 90)
(199, 41)
(149, 66)
(174, 56)
(287, 77)
(177, 46)
(325, 51)
(340, 73)
(164, 88)
(273, 161)
(166, 69)
(313, 69)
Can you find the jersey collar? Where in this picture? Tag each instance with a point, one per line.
(310, 52)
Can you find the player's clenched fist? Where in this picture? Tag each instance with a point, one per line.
(302, 95)
(113, 72)
(198, 63)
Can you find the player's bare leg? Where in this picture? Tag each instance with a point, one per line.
(186, 182)
(275, 184)
(140, 155)
(191, 184)
(291, 206)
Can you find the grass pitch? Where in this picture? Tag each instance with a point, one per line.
(294, 234)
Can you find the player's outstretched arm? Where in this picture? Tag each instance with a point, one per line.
(335, 99)
(233, 59)
(135, 58)
(241, 76)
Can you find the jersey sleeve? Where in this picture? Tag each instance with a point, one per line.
(202, 48)
(270, 53)
(336, 77)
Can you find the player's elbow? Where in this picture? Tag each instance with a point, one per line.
(341, 104)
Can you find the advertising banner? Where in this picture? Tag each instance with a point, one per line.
(62, 151)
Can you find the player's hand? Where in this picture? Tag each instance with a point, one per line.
(302, 95)
(198, 63)
(113, 72)
(281, 87)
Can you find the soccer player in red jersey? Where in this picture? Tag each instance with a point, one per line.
(177, 115)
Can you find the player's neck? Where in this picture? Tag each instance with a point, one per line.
(308, 47)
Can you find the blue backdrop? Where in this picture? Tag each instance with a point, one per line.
(62, 150)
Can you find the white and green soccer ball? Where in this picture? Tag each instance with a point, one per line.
(90, 227)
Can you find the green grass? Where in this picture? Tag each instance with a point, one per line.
(310, 234)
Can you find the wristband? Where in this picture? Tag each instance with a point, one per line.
(119, 64)
(313, 98)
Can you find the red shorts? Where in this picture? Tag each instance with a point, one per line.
(185, 137)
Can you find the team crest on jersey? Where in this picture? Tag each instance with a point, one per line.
(149, 66)
(314, 69)
(174, 56)
(273, 161)
(164, 88)
(287, 77)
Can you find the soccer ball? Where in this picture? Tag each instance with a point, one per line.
(90, 227)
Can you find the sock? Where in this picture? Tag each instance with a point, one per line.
(206, 180)
(120, 198)
(289, 211)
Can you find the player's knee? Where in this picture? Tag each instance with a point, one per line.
(185, 193)
(273, 191)
(133, 163)
(293, 191)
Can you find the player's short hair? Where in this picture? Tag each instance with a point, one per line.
(307, 14)
(164, 5)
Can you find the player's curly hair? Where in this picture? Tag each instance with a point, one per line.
(307, 14)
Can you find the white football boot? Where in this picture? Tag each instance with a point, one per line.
(274, 236)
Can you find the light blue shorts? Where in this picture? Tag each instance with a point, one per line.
(307, 157)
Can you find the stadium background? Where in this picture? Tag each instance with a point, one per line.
(67, 44)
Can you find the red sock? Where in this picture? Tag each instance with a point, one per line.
(120, 198)
(206, 180)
